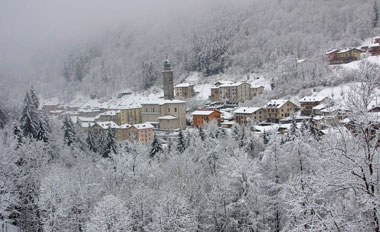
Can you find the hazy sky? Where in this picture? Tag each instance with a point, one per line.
(31, 29)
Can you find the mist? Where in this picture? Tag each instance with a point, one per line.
(35, 31)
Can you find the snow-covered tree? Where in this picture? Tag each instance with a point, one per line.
(29, 121)
(181, 142)
(70, 135)
(109, 145)
(109, 215)
(92, 140)
(156, 147)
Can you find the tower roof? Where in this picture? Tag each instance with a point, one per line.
(167, 65)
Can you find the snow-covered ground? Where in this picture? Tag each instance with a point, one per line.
(355, 65)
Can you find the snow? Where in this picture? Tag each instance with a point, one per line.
(142, 126)
(162, 102)
(202, 112)
(246, 110)
(183, 85)
(355, 64)
(167, 117)
(107, 124)
(313, 98)
(277, 103)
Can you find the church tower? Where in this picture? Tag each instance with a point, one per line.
(167, 74)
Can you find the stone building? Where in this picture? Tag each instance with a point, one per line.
(154, 112)
(278, 109)
(244, 115)
(184, 91)
(167, 75)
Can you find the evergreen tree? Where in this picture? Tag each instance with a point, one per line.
(266, 138)
(376, 14)
(18, 135)
(236, 132)
(3, 119)
(155, 147)
(109, 145)
(181, 142)
(202, 134)
(29, 120)
(91, 140)
(34, 98)
(42, 134)
(70, 135)
(242, 141)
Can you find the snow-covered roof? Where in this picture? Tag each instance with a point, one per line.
(246, 110)
(145, 125)
(110, 113)
(278, 103)
(257, 86)
(312, 99)
(228, 123)
(87, 119)
(107, 124)
(374, 45)
(319, 107)
(125, 126)
(183, 85)
(50, 102)
(202, 112)
(332, 51)
(167, 117)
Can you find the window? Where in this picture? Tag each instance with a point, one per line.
(175, 109)
(169, 109)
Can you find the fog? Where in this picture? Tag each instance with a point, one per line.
(38, 29)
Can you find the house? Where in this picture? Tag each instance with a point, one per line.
(374, 49)
(130, 114)
(142, 133)
(168, 122)
(153, 111)
(347, 55)
(332, 55)
(112, 115)
(184, 91)
(122, 132)
(203, 116)
(278, 109)
(50, 105)
(243, 115)
(234, 92)
(376, 40)
(307, 103)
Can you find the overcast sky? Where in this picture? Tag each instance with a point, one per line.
(31, 29)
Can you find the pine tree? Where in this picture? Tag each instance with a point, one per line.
(266, 138)
(242, 141)
(376, 14)
(34, 98)
(29, 120)
(70, 135)
(181, 142)
(202, 134)
(91, 140)
(3, 119)
(18, 135)
(236, 132)
(156, 147)
(109, 145)
(42, 134)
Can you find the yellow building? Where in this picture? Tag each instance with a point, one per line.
(279, 108)
(184, 91)
(235, 92)
(130, 115)
(348, 55)
(244, 115)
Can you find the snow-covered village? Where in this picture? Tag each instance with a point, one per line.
(204, 115)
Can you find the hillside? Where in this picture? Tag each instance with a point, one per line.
(249, 37)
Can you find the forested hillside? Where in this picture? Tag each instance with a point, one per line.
(255, 36)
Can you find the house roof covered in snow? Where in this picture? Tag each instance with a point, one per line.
(312, 99)
(142, 126)
(246, 110)
(203, 112)
(183, 85)
(278, 103)
(107, 124)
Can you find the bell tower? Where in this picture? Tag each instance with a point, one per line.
(167, 75)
